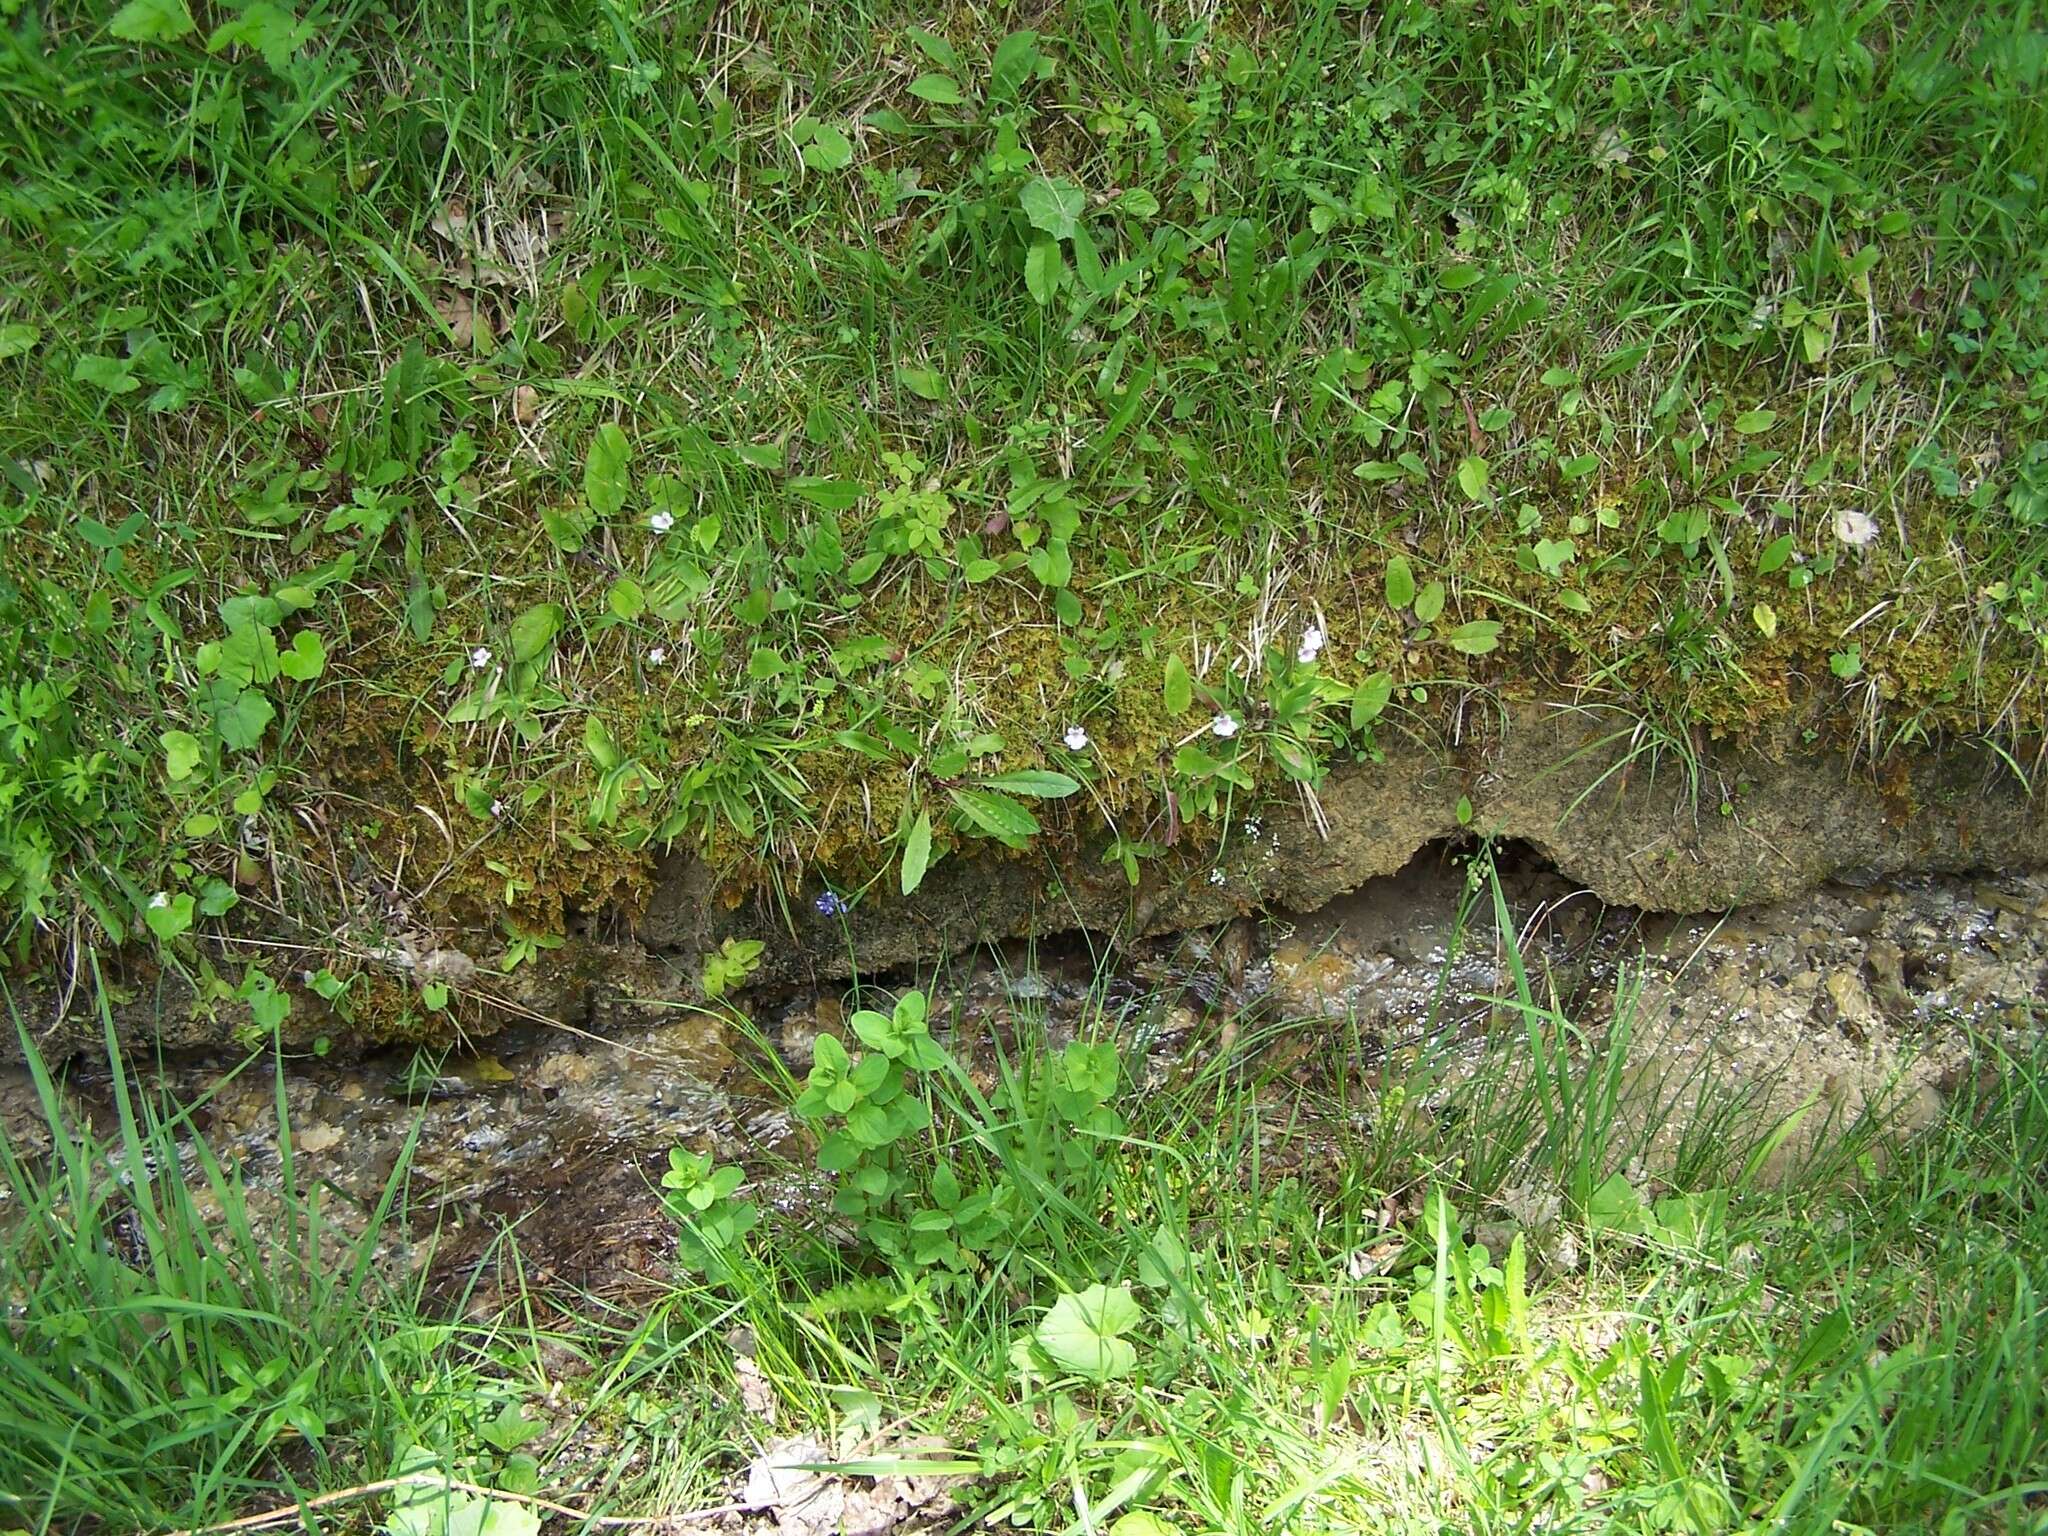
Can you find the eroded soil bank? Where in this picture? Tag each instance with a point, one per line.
(1634, 817)
(1857, 994)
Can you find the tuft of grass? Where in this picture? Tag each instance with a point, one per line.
(182, 1348)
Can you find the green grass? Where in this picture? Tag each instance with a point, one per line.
(1464, 1302)
(182, 1347)
(1501, 1281)
(990, 372)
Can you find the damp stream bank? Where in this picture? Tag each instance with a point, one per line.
(1846, 997)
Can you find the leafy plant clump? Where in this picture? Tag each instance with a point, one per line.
(844, 445)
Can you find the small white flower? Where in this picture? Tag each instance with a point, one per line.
(662, 521)
(1252, 828)
(1312, 640)
(1856, 529)
(497, 807)
(657, 656)
(1076, 739)
(1224, 726)
(480, 658)
(160, 900)
(1216, 877)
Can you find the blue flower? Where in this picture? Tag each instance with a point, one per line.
(830, 904)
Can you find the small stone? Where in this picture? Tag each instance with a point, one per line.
(1846, 1004)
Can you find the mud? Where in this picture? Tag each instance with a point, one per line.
(1851, 996)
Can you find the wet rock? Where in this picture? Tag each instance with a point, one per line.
(1885, 963)
(1846, 1004)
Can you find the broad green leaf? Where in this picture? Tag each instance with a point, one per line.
(940, 90)
(599, 742)
(829, 150)
(1475, 638)
(151, 21)
(1400, 582)
(917, 852)
(1037, 783)
(169, 916)
(305, 660)
(1043, 266)
(925, 383)
(1766, 618)
(181, 754)
(934, 47)
(242, 719)
(1472, 471)
(16, 339)
(1240, 257)
(606, 480)
(995, 814)
(1142, 1522)
(1774, 555)
(1180, 688)
(1370, 699)
(627, 600)
(831, 495)
(1429, 603)
(1749, 423)
(534, 630)
(1016, 59)
(112, 374)
(1053, 204)
(1084, 1333)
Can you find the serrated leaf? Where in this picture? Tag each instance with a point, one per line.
(1400, 582)
(111, 374)
(242, 719)
(151, 21)
(917, 852)
(1054, 205)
